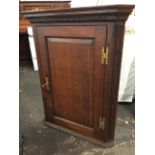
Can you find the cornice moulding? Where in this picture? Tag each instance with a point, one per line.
(83, 14)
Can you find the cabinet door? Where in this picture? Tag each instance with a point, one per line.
(70, 57)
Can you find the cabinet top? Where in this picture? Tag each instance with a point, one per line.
(81, 14)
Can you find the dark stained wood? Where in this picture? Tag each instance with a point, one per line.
(69, 49)
(73, 65)
(72, 78)
(83, 14)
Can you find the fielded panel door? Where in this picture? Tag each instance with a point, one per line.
(70, 59)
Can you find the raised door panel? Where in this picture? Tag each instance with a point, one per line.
(71, 63)
(71, 58)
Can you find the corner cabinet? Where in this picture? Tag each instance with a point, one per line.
(79, 54)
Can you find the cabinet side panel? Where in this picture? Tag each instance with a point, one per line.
(118, 36)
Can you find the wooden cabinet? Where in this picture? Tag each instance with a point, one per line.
(38, 6)
(24, 49)
(79, 54)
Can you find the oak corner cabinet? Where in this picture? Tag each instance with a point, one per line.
(79, 54)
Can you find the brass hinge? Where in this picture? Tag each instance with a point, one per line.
(105, 55)
(46, 84)
(101, 122)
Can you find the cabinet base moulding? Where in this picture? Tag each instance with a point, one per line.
(65, 130)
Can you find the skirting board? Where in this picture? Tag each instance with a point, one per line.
(106, 145)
